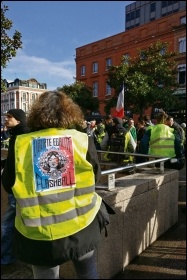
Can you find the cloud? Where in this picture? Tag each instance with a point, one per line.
(55, 74)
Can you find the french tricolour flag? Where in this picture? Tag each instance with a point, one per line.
(120, 105)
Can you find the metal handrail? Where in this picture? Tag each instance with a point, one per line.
(134, 166)
(111, 172)
(129, 154)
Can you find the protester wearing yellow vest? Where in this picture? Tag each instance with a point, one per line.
(59, 216)
(161, 140)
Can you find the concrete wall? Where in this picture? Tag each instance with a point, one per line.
(146, 206)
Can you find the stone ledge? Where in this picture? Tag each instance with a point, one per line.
(146, 206)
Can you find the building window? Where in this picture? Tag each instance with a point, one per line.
(182, 45)
(95, 89)
(108, 63)
(24, 85)
(128, 17)
(133, 15)
(108, 90)
(142, 55)
(33, 97)
(126, 58)
(153, 7)
(183, 20)
(24, 96)
(168, 3)
(24, 107)
(162, 51)
(95, 67)
(182, 74)
(164, 4)
(138, 13)
(83, 70)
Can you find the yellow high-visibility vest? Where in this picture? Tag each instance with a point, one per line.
(55, 184)
(162, 141)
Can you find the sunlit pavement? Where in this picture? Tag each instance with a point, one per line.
(166, 257)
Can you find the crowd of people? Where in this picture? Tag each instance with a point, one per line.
(165, 137)
(54, 213)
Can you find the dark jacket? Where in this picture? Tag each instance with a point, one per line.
(8, 175)
(178, 130)
(56, 252)
(117, 127)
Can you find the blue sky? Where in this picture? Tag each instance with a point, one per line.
(51, 32)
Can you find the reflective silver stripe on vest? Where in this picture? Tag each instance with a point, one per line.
(161, 147)
(53, 198)
(55, 219)
(162, 138)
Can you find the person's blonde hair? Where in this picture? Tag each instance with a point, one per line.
(161, 118)
(54, 109)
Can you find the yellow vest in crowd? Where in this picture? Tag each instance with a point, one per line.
(162, 141)
(53, 202)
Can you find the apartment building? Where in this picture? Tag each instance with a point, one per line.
(20, 94)
(142, 12)
(169, 25)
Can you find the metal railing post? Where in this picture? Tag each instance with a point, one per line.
(162, 167)
(111, 181)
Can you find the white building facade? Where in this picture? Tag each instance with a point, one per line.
(20, 94)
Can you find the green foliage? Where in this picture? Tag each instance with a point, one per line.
(82, 95)
(150, 77)
(9, 45)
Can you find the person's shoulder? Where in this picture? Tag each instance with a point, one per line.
(177, 125)
(147, 133)
(26, 130)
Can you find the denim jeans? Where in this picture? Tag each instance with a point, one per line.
(85, 268)
(7, 232)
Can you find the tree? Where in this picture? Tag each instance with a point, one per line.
(9, 45)
(149, 78)
(82, 95)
